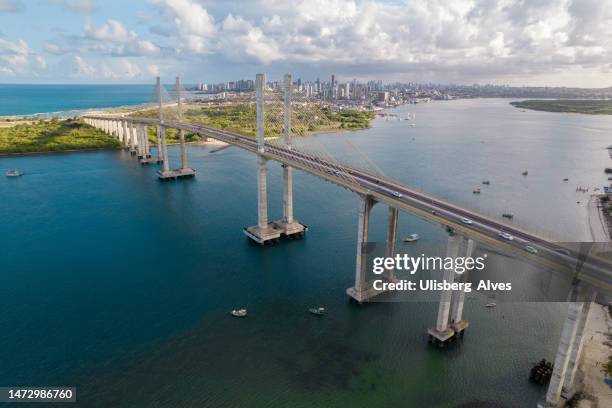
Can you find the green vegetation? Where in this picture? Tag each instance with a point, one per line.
(52, 136)
(241, 118)
(588, 106)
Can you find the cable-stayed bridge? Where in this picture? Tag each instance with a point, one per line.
(589, 271)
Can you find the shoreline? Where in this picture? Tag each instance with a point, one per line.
(97, 149)
(597, 225)
(592, 391)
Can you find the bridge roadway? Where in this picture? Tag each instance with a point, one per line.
(595, 271)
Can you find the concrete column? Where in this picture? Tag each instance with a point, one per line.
(568, 337)
(179, 111)
(126, 134)
(287, 194)
(161, 140)
(391, 239)
(457, 322)
(160, 155)
(260, 85)
(164, 147)
(442, 332)
(141, 145)
(145, 139)
(287, 171)
(134, 137)
(359, 291)
(568, 390)
(262, 192)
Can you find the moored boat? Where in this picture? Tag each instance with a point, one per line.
(411, 238)
(13, 173)
(319, 311)
(239, 312)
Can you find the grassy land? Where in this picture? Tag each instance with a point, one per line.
(53, 136)
(592, 107)
(241, 119)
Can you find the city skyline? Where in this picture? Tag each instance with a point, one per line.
(546, 43)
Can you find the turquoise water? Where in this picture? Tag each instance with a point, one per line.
(120, 285)
(31, 99)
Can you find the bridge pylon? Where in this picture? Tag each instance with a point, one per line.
(288, 225)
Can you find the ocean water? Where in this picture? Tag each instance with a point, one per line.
(42, 99)
(120, 285)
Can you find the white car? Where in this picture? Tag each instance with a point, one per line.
(467, 221)
(506, 236)
(398, 195)
(531, 249)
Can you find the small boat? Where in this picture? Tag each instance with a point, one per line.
(239, 312)
(608, 170)
(610, 178)
(491, 304)
(476, 191)
(486, 182)
(13, 173)
(319, 311)
(508, 215)
(609, 147)
(565, 179)
(525, 173)
(411, 238)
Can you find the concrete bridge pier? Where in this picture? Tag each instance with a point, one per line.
(391, 242)
(458, 324)
(141, 144)
(164, 173)
(561, 386)
(115, 129)
(126, 134)
(147, 159)
(442, 331)
(362, 291)
(133, 139)
(264, 231)
(160, 155)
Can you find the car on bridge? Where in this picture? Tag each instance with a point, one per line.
(467, 221)
(506, 236)
(397, 194)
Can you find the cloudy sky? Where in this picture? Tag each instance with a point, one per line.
(517, 42)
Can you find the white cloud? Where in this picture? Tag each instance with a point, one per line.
(112, 31)
(153, 70)
(470, 36)
(17, 58)
(82, 68)
(114, 38)
(11, 6)
(85, 7)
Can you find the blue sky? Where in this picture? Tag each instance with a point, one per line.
(517, 42)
